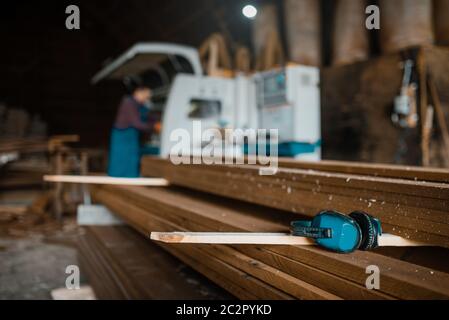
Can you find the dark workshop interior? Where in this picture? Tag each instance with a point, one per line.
(344, 108)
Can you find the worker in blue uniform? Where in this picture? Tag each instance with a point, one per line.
(131, 120)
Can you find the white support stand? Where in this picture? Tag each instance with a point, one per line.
(96, 215)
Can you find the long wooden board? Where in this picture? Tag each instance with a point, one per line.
(370, 169)
(261, 238)
(153, 182)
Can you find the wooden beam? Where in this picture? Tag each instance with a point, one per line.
(390, 240)
(261, 238)
(117, 252)
(439, 115)
(371, 169)
(423, 103)
(23, 145)
(230, 278)
(153, 182)
(230, 238)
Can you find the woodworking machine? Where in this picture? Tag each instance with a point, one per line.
(286, 99)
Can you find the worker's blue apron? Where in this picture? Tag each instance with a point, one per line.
(124, 152)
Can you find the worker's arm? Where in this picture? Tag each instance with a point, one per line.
(128, 116)
(134, 120)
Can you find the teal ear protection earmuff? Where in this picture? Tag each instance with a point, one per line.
(340, 233)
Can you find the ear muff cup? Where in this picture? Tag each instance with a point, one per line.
(370, 228)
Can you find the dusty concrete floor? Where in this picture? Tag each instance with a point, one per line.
(30, 265)
(31, 268)
(35, 251)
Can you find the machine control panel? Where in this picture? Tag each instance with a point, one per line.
(271, 89)
(288, 100)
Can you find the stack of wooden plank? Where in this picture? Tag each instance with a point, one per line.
(36, 144)
(410, 202)
(23, 145)
(267, 272)
(31, 159)
(121, 264)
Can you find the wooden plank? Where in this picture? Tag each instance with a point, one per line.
(390, 240)
(154, 182)
(440, 114)
(346, 183)
(83, 293)
(16, 210)
(401, 279)
(385, 170)
(105, 286)
(230, 238)
(399, 186)
(117, 273)
(371, 169)
(386, 240)
(215, 274)
(23, 145)
(294, 286)
(157, 275)
(321, 278)
(235, 278)
(423, 103)
(132, 268)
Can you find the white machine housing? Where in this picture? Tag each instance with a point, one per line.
(288, 99)
(292, 105)
(213, 99)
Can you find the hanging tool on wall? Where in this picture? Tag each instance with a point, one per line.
(329, 229)
(404, 113)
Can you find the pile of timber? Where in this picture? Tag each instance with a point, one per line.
(274, 272)
(121, 264)
(28, 159)
(411, 202)
(23, 145)
(35, 144)
(24, 173)
(19, 179)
